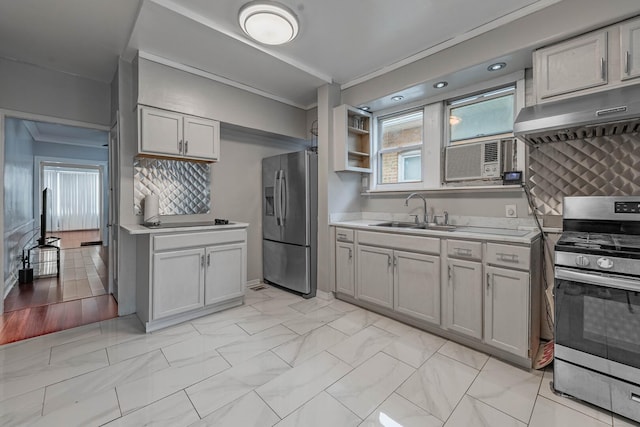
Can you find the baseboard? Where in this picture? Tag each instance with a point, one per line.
(251, 283)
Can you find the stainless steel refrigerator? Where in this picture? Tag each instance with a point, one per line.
(290, 221)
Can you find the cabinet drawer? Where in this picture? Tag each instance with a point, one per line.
(188, 240)
(397, 241)
(463, 249)
(344, 235)
(508, 256)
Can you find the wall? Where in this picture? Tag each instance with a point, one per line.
(236, 188)
(18, 196)
(36, 90)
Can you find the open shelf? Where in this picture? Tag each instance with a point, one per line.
(352, 139)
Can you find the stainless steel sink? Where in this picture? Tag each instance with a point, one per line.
(436, 227)
(396, 224)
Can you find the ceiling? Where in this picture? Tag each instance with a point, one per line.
(345, 42)
(65, 134)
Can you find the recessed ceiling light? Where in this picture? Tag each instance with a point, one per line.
(440, 85)
(268, 22)
(365, 108)
(397, 98)
(497, 66)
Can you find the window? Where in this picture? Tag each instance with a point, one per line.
(485, 115)
(400, 148)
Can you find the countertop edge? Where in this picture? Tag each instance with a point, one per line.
(137, 229)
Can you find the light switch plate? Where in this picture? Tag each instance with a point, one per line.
(510, 211)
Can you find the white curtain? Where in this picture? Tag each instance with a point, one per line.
(76, 197)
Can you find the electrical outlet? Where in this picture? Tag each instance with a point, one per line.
(510, 211)
(365, 182)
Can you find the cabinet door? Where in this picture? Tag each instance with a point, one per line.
(375, 275)
(201, 138)
(630, 49)
(345, 268)
(506, 310)
(570, 66)
(160, 132)
(417, 286)
(226, 272)
(464, 297)
(178, 282)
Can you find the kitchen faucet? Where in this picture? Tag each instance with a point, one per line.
(424, 201)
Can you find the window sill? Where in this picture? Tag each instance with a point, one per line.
(467, 189)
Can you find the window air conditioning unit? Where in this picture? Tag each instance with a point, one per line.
(478, 160)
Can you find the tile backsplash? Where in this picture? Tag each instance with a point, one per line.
(183, 187)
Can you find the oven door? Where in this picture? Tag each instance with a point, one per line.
(598, 314)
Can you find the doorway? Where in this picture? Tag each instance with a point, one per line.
(72, 163)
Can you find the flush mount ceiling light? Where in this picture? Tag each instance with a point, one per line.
(365, 108)
(440, 85)
(397, 98)
(497, 66)
(268, 22)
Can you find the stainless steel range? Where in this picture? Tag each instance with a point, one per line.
(597, 303)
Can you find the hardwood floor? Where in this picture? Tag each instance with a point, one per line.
(76, 297)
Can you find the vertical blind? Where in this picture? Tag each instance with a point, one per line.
(76, 197)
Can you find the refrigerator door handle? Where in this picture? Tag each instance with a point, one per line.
(276, 196)
(283, 196)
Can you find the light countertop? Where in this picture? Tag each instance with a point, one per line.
(180, 227)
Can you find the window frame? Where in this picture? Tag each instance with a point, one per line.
(401, 166)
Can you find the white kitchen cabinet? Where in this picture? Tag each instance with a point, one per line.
(417, 285)
(464, 297)
(166, 133)
(352, 139)
(345, 268)
(506, 308)
(374, 281)
(225, 274)
(178, 282)
(573, 65)
(630, 49)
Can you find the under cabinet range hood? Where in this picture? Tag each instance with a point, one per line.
(611, 112)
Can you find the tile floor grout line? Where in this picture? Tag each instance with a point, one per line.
(269, 406)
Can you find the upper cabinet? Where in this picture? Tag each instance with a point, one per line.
(596, 61)
(168, 134)
(351, 139)
(630, 49)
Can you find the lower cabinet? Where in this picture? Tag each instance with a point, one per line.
(225, 273)
(507, 298)
(464, 297)
(178, 284)
(417, 285)
(345, 268)
(375, 275)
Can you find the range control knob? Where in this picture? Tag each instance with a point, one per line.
(604, 263)
(582, 261)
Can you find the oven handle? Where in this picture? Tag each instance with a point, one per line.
(598, 280)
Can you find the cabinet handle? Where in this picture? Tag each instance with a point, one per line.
(462, 251)
(627, 63)
(449, 274)
(388, 260)
(507, 257)
(342, 236)
(201, 260)
(603, 68)
(180, 146)
(395, 261)
(208, 260)
(350, 254)
(488, 280)
(635, 397)
(186, 147)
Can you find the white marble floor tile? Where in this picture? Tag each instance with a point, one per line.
(464, 354)
(113, 332)
(355, 321)
(549, 413)
(216, 321)
(292, 389)
(252, 297)
(277, 293)
(438, 385)
(343, 306)
(309, 305)
(328, 296)
(276, 304)
(247, 411)
(398, 411)
(619, 421)
(471, 412)
(367, 386)
(240, 351)
(395, 327)
(139, 393)
(150, 342)
(95, 411)
(507, 388)
(587, 409)
(84, 386)
(172, 411)
(415, 347)
(361, 346)
(17, 382)
(313, 320)
(19, 410)
(263, 321)
(217, 391)
(321, 411)
(307, 346)
(199, 345)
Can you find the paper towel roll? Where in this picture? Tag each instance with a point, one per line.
(151, 209)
